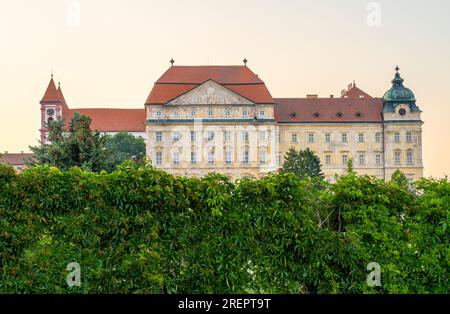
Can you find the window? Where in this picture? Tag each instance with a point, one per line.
(397, 158)
(159, 136)
(227, 136)
(362, 159)
(158, 158)
(261, 113)
(176, 113)
(344, 137)
(397, 137)
(245, 112)
(193, 157)
(210, 112)
(360, 138)
(402, 111)
(245, 136)
(245, 157)
(193, 136)
(262, 135)
(278, 160)
(344, 159)
(378, 159)
(158, 113)
(409, 158)
(210, 136)
(228, 157)
(408, 137)
(193, 113)
(176, 158)
(262, 157)
(278, 137)
(378, 137)
(176, 136)
(328, 159)
(327, 138)
(294, 137)
(227, 112)
(310, 138)
(50, 112)
(211, 157)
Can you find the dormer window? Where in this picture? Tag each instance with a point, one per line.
(293, 115)
(339, 114)
(358, 114)
(316, 115)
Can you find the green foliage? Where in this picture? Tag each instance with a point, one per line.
(399, 178)
(123, 146)
(140, 230)
(79, 146)
(303, 163)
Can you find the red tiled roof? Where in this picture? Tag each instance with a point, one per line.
(112, 120)
(306, 109)
(51, 94)
(355, 92)
(16, 159)
(178, 80)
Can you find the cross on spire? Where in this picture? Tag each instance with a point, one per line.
(172, 61)
(245, 61)
(397, 68)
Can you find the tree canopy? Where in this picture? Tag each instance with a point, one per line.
(303, 164)
(78, 146)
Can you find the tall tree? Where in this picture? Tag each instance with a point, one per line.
(303, 163)
(123, 146)
(78, 146)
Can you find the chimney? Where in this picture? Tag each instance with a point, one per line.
(312, 96)
(343, 92)
(6, 152)
(21, 152)
(331, 96)
(350, 86)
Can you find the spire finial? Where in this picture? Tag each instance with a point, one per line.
(245, 61)
(397, 68)
(172, 61)
(52, 74)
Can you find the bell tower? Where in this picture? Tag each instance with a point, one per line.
(51, 108)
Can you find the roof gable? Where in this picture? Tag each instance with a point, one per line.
(178, 80)
(210, 93)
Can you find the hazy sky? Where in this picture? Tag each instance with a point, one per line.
(112, 53)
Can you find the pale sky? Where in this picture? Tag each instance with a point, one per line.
(111, 54)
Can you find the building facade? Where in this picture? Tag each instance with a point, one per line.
(203, 119)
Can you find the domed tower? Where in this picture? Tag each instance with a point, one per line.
(402, 131)
(400, 100)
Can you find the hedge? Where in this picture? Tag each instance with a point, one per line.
(141, 230)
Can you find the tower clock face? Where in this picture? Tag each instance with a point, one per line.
(50, 112)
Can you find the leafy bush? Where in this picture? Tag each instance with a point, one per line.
(140, 230)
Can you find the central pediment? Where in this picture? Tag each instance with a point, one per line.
(210, 93)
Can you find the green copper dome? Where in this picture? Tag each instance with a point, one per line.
(398, 92)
